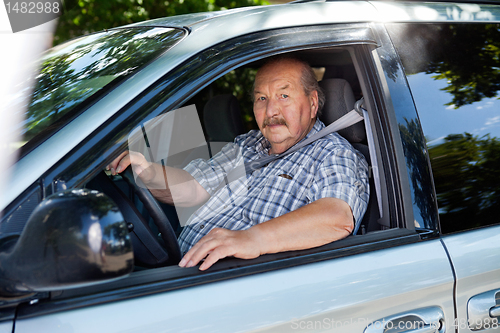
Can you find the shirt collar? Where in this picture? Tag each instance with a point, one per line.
(262, 145)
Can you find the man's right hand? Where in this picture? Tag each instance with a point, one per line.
(140, 165)
(169, 185)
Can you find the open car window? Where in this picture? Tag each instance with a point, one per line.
(208, 124)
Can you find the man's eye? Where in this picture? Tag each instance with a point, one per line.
(284, 96)
(261, 98)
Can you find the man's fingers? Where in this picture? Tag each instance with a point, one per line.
(213, 257)
(123, 164)
(137, 161)
(116, 162)
(188, 259)
(212, 245)
(200, 251)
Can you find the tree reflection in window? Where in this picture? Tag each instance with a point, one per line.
(72, 73)
(454, 73)
(467, 177)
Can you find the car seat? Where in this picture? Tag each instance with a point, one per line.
(223, 121)
(339, 101)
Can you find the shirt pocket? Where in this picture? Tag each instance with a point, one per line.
(286, 191)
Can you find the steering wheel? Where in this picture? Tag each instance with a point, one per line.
(147, 249)
(157, 214)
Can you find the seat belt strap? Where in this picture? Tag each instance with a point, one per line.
(374, 161)
(351, 118)
(345, 121)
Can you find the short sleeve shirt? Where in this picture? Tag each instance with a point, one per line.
(328, 167)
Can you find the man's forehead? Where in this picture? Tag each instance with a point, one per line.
(276, 83)
(280, 70)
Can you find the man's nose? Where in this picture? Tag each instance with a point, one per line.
(272, 108)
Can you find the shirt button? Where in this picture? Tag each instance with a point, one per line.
(202, 226)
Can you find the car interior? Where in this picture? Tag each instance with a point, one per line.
(154, 226)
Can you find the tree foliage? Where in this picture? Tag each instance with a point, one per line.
(466, 168)
(85, 16)
(472, 73)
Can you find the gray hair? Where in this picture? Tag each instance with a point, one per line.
(307, 79)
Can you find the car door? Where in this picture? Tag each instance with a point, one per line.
(455, 90)
(396, 279)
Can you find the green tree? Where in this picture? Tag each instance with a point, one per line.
(85, 16)
(473, 73)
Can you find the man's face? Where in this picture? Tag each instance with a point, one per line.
(283, 111)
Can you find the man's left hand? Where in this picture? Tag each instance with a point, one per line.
(220, 243)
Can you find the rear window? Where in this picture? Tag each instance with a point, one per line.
(74, 74)
(454, 74)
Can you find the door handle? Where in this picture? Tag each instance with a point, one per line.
(425, 320)
(495, 312)
(484, 310)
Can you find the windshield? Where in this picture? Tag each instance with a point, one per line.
(74, 74)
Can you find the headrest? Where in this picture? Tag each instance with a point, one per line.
(339, 101)
(222, 118)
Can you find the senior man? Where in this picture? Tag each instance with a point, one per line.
(305, 199)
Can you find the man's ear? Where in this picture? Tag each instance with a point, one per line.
(313, 100)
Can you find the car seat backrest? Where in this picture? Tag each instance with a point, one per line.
(339, 101)
(222, 118)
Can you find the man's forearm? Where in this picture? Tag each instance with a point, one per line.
(175, 186)
(318, 223)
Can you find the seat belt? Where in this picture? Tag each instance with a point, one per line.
(351, 118)
(373, 155)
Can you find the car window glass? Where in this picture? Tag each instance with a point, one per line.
(454, 72)
(73, 72)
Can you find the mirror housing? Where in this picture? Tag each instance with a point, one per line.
(72, 239)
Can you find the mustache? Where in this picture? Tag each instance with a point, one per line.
(273, 121)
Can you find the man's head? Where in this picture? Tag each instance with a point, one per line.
(287, 100)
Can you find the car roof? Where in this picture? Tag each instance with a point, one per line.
(349, 11)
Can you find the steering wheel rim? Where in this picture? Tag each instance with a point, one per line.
(157, 214)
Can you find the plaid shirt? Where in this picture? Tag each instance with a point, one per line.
(328, 167)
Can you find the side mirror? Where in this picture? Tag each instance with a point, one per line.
(72, 238)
